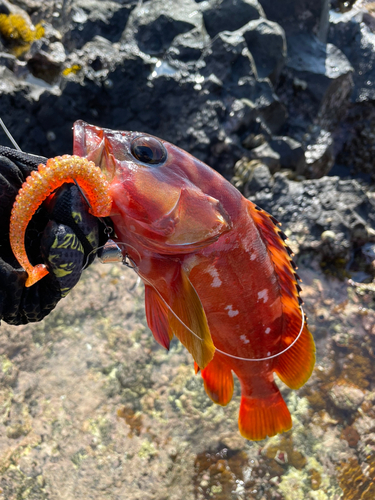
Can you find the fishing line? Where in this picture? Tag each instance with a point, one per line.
(10, 137)
(135, 268)
(16, 146)
(273, 355)
(132, 265)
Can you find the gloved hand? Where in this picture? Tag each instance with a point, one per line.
(62, 234)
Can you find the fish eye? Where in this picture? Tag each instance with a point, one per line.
(148, 150)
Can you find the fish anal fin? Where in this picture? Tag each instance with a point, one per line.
(157, 317)
(262, 417)
(188, 310)
(218, 381)
(295, 366)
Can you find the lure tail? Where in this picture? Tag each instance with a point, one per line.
(41, 184)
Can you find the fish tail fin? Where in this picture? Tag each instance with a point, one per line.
(295, 366)
(262, 417)
(218, 381)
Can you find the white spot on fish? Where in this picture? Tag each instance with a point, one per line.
(214, 273)
(263, 295)
(253, 256)
(268, 353)
(231, 313)
(267, 330)
(244, 339)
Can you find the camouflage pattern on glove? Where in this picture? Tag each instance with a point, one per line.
(61, 234)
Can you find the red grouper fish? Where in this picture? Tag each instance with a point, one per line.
(216, 270)
(212, 263)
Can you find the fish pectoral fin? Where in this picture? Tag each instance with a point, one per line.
(295, 366)
(218, 381)
(157, 317)
(188, 312)
(262, 417)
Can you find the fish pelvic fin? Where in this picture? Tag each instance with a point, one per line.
(262, 417)
(295, 366)
(188, 310)
(218, 381)
(157, 317)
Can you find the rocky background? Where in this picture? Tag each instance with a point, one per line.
(279, 98)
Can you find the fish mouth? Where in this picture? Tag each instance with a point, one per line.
(104, 147)
(86, 138)
(89, 142)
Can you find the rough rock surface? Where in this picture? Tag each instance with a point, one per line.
(204, 75)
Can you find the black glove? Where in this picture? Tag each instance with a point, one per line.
(62, 234)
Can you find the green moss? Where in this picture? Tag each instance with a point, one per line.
(147, 450)
(78, 458)
(5, 364)
(293, 484)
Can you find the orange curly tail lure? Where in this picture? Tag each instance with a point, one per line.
(39, 185)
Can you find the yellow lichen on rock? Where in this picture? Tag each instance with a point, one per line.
(72, 70)
(18, 32)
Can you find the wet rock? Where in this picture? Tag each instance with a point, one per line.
(253, 141)
(357, 41)
(105, 18)
(240, 115)
(268, 156)
(346, 397)
(271, 112)
(229, 15)
(319, 154)
(153, 25)
(45, 60)
(95, 60)
(260, 179)
(187, 47)
(291, 153)
(342, 5)
(280, 152)
(328, 75)
(228, 58)
(7, 60)
(299, 17)
(355, 142)
(312, 207)
(267, 44)
(167, 78)
(351, 436)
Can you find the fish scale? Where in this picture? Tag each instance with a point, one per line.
(216, 269)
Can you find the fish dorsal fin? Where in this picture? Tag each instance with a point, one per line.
(157, 317)
(188, 310)
(279, 252)
(303, 352)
